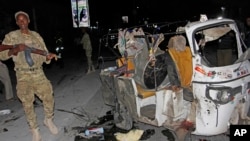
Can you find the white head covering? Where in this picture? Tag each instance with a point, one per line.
(22, 12)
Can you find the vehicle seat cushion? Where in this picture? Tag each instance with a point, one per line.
(123, 61)
(144, 93)
(182, 56)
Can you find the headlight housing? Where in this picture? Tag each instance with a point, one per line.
(221, 94)
(224, 96)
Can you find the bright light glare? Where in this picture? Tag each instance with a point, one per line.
(220, 17)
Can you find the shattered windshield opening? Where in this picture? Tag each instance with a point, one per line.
(217, 46)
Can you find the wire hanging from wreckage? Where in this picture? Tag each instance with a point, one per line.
(156, 28)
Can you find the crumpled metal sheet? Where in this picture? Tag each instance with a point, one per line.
(215, 33)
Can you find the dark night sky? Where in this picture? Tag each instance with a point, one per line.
(55, 15)
(106, 12)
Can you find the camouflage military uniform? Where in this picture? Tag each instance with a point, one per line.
(31, 81)
(86, 42)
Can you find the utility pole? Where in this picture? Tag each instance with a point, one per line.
(34, 19)
(135, 11)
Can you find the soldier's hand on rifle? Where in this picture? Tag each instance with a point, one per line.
(50, 56)
(17, 48)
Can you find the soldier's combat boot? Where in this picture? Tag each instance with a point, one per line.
(36, 135)
(92, 68)
(52, 127)
(88, 71)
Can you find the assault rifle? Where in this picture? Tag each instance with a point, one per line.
(27, 52)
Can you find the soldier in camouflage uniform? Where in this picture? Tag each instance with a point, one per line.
(86, 42)
(31, 79)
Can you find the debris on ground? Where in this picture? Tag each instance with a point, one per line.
(4, 130)
(147, 134)
(168, 134)
(5, 112)
(104, 129)
(132, 135)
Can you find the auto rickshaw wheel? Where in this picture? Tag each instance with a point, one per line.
(122, 117)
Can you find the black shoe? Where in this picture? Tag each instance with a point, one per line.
(147, 134)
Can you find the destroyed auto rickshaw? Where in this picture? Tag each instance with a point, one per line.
(182, 87)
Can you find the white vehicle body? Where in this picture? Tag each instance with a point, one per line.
(221, 94)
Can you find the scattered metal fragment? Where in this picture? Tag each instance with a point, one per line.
(107, 123)
(62, 110)
(13, 118)
(4, 130)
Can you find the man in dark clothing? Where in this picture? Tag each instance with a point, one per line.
(225, 49)
(247, 32)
